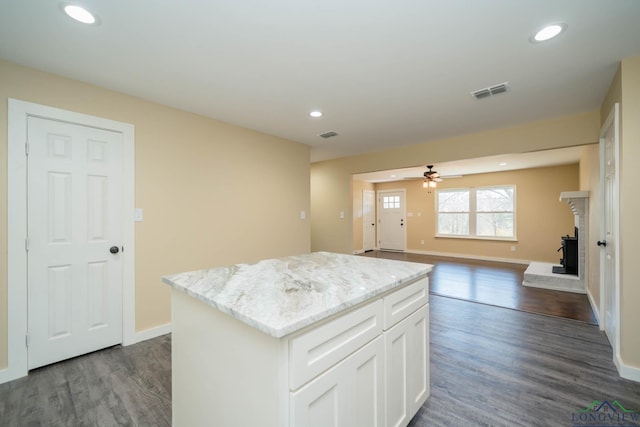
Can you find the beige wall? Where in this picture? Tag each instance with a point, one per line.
(212, 193)
(357, 188)
(541, 219)
(331, 180)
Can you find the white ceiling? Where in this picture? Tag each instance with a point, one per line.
(385, 73)
(501, 163)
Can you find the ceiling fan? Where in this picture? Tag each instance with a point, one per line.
(432, 175)
(430, 178)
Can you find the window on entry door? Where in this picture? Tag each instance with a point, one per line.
(391, 202)
(487, 212)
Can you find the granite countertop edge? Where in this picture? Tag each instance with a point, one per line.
(288, 327)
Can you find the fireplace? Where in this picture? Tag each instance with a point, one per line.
(569, 260)
(571, 274)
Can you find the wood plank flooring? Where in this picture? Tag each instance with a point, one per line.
(118, 386)
(489, 366)
(497, 284)
(500, 367)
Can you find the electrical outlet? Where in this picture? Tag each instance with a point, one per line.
(422, 242)
(341, 214)
(513, 248)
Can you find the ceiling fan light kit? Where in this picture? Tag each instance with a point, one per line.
(431, 179)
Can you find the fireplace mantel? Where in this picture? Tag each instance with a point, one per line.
(577, 200)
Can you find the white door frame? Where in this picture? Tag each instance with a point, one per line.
(613, 120)
(19, 111)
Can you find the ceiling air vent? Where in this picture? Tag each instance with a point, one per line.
(328, 134)
(482, 93)
(493, 90)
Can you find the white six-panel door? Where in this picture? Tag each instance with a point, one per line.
(609, 152)
(74, 218)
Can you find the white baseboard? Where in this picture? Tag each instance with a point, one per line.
(470, 256)
(594, 307)
(358, 251)
(7, 375)
(150, 333)
(628, 372)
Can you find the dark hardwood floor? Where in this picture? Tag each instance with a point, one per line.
(489, 366)
(497, 284)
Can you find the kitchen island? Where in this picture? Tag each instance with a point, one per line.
(319, 339)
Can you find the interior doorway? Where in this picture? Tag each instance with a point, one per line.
(19, 113)
(368, 220)
(609, 226)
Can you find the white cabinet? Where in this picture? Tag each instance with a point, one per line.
(365, 366)
(349, 394)
(320, 348)
(407, 367)
(383, 383)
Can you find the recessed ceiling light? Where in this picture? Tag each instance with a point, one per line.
(316, 113)
(548, 32)
(502, 164)
(79, 14)
(393, 176)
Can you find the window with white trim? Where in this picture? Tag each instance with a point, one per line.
(487, 212)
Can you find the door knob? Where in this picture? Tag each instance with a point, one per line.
(602, 243)
(114, 249)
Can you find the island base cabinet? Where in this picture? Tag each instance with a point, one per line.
(407, 367)
(349, 394)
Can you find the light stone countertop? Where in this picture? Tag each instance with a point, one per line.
(283, 295)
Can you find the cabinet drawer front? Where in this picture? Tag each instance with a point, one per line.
(405, 301)
(319, 349)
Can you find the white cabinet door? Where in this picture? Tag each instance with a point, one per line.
(365, 389)
(407, 368)
(349, 394)
(419, 380)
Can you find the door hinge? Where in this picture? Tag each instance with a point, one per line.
(26, 244)
(26, 148)
(26, 340)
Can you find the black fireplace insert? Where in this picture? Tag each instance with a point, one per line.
(569, 260)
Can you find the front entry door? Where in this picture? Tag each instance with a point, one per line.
(391, 220)
(75, 232)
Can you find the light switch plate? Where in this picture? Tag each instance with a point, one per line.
(137, 216)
